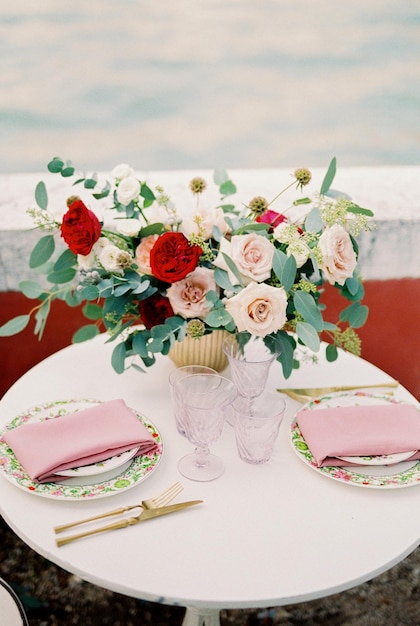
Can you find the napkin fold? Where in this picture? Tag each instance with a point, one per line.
(82, 438)
(360, 431)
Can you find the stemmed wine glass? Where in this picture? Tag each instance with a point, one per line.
(250, 358)
(204, 398)
(178, 374)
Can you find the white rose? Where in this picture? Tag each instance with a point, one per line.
(252, 255)
(188, 296)
(338, 256)
(113, 259)
(122, 171)
(127, 190)
(202, 222)
(259, 309)
(128, 227)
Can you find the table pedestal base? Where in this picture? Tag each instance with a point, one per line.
(201, 617)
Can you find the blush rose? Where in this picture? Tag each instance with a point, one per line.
(143, 253)
(338, 256)
(172, 257)
(188, 296)
(259, 309)
(252, 255)
(80, 228)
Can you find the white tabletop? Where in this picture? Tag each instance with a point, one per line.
(265, 535)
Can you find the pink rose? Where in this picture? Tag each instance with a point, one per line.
(188, 296)
(259, 308)
(338, 256)
(252, 255)
(143, 253)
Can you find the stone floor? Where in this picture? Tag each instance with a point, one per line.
(55, 598)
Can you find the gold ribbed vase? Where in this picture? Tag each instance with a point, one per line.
(206, 350)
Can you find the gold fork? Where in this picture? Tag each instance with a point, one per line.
(152, 503)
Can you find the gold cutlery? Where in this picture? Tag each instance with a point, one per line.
(145, 515)
(306, 394)
(152, 503)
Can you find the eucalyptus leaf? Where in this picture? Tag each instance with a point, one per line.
(331, 353)
(62, 276)
(286, 355)
(90, 292)
(41, 195)
(284, 268)
(313, 221)
(220, 176)
(308, 335)
(14, 326)
(356, 314)
(30, 289)
(151, 229)
(227, 188)
(358, 210)
(42, 251)
(329, 176)
(222, 279)
(231, 265)
(307, 307)
(85, 333)
(92, 311)
(118, 358)
(65, 260)
(139, 342)
(56, 165)
(41, 317)
(90, 183)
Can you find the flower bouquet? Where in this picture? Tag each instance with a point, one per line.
(156, 274)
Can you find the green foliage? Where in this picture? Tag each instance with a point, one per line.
(41, 195)
(42, 252)
(14, 326)
(329, 177)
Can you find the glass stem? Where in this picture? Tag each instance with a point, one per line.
(201, 455)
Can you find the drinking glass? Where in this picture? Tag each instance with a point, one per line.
(203, 398)
(178, 374)
(257, 426)
(250, 359)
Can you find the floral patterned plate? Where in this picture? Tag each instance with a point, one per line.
(132, 473)
(403, 474)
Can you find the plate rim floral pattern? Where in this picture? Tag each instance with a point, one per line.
(406, 478)
(139, 469)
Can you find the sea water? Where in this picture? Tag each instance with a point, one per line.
(209, 83)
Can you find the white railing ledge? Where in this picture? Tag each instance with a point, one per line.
(392, 250)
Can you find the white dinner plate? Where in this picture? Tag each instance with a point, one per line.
(101, 467)
(383, 459)
(401, 474)
(131, 473)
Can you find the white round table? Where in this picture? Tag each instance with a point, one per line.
(268, 535)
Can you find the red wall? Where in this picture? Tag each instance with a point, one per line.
(390, 338)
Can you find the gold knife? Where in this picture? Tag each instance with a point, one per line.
(145, 515)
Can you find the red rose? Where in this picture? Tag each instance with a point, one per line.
(272, 217)
(155, 310)
(80, 228)
(172, 257)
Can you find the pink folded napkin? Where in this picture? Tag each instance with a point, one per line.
(82, 438)
(360, 431)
